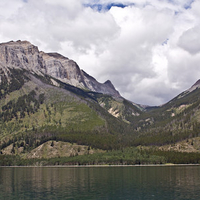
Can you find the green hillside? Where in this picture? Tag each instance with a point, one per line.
(175, 121)
(38, 111)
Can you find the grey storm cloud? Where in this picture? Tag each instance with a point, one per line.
(149, 49)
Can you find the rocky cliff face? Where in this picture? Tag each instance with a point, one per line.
(195, 86)
(22, 54)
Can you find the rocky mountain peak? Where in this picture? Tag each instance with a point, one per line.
(19, 46)
(24, 55)
(108, 83)
(14, 43)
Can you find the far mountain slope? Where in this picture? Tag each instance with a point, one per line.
(174, 121)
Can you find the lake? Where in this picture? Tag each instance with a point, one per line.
(131, 182)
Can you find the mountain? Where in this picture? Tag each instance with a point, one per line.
(24, 55)
(45, 96)
(48, 105)
(172, 122)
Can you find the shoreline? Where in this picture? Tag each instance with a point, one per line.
(95, 166)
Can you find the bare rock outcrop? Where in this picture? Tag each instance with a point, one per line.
(24, 55)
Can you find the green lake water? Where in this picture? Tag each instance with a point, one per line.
(138, 183)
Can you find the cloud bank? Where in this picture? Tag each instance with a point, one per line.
(150, 50)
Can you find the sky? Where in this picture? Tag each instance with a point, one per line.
(148, 49)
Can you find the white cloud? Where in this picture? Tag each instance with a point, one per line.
(195, 7)
(190, 40)
(150, 51)
(9, 7)
(128, 61)
(71, 7)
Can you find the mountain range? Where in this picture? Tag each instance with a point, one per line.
(48, 104)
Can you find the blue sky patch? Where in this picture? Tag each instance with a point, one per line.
(106, 7)
(188, 6)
